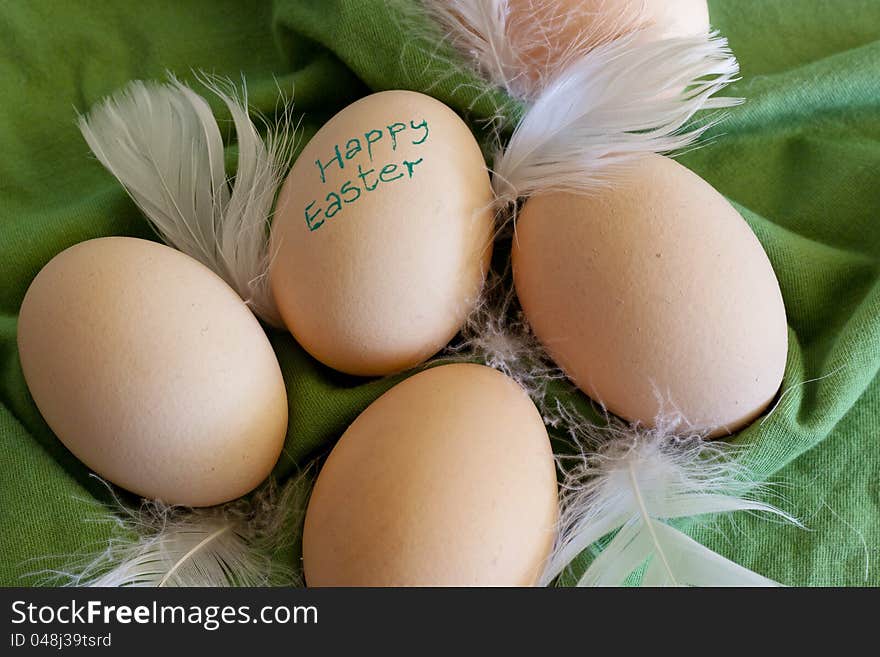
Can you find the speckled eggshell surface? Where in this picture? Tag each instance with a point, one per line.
(447, 479)
(152, 371)
(382, 234)
(654, 296)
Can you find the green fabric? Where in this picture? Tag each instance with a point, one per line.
(800, 160)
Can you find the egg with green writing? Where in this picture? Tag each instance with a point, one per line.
(382, 234)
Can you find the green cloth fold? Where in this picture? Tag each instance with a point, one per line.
(800, 160)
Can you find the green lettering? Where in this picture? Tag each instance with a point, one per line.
(416, 126)
(370, 142)
(335, 205)
(363, 176)
(311, 217)
(336, 158)
(389, 169)
(348, 187)
(391, 131)
(410, 166)
(351, 151)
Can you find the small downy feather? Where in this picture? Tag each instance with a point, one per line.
(621, 100)
(637, 482)
(162, 142)
(236, 544)
(496, 333)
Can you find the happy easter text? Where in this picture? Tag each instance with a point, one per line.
(366, 176)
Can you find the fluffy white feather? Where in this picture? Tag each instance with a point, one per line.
(480, 29)
(519, 51)
(637, 482)
(162, 142)
(623, 99)
(236, 544)
(596, 97)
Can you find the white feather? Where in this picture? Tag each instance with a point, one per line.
(623, 99)
(162, 142)
(480, 29)
(637, 482)
(519, 51)
(236, 544)
(596, 97)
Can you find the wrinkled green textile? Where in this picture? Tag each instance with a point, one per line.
(801, 161)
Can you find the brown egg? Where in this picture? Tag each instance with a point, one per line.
(152, 371)
(447, 479)
(382, 234)
(588, 23)
(654, 296)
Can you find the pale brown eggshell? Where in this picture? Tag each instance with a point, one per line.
(589, 23)
(388, 279)
(654, 296)
(447, 479)
(611, 18)
(152, 371)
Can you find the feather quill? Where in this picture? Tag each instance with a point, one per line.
(637, 482)
(162, 142)
(236, 544)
